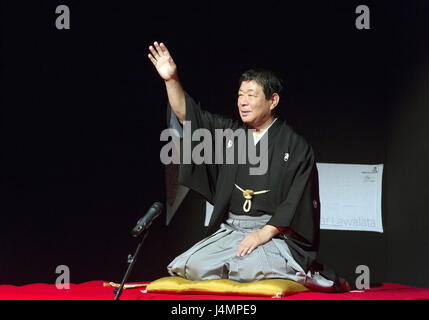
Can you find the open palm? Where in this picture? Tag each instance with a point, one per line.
(162, 61)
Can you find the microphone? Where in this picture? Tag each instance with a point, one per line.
(145, 222)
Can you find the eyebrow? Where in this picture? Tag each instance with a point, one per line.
(247, 90)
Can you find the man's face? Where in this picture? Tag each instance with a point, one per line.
(254, 108)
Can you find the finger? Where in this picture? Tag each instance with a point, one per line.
(152, 59)
(241, 249)
(154, 53)
(158, 49)
(164, 49)
(242, 252)
(246, 251)
(250, 250)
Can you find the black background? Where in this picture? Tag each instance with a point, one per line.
(83, 110)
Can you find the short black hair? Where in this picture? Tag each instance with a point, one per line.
(267, 79)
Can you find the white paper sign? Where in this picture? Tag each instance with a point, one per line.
(350, 196)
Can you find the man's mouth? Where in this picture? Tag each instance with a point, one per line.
(245, 113)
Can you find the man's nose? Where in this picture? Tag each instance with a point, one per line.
(243, 101)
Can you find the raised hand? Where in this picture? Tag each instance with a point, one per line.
(167, 69)
(162, 61)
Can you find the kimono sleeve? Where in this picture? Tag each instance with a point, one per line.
(201, 178)
(199, 118)
(299, 211)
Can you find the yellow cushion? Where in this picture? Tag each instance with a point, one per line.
(268, 287)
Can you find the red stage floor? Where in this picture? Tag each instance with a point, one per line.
(94, 290)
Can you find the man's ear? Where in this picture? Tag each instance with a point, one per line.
(275, 98)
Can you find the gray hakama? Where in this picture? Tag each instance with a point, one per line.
(215, 257)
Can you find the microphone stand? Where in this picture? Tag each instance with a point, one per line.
(131, 260)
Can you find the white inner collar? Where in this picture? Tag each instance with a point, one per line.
(255, 138)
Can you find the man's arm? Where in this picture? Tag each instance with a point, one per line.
(167, 69)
